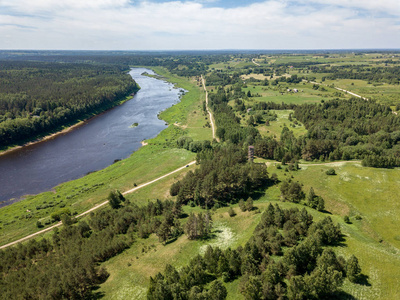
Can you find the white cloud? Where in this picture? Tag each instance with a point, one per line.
(120, 24)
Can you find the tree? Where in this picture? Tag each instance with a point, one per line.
(115, 198)
(231, 212)
(217, 291)
(163, 231)
(353, 269)
(249, 204)
(331, 171)
(242, 205)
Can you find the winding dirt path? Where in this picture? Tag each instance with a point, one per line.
(209, 112)
(95, 207)
(254, 62)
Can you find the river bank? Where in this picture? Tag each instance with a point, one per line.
(66, 129)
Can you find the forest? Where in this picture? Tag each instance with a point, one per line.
(66, 266)
(308, 268)
(37, 98)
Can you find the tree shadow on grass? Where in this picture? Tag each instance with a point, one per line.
(342, 295)
(363, 280)
(170, 241)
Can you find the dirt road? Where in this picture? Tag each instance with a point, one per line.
(209, 112)
(96, 207)
(254, 62)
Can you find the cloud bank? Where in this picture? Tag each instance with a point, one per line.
(184, 25)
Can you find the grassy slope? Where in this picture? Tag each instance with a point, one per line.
(370, 193)
(19, 219)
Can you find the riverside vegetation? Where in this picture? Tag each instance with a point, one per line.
(263, 223)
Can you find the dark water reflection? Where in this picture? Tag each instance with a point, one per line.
(93, 146)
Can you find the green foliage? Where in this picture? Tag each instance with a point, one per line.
(353, 269)
(306, 270)
(73, 92)
(314, 201)
(242, 205)
(351, 129)
(249, 204)
(115, 198)
(56, 216)
(198, 226)
(231, 212)
(330, 171)
(224, 176)
(292, 191)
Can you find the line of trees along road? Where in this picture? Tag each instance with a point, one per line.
(37, 98)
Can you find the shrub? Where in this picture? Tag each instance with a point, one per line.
(330, 171)
(231, 212)
(242, 205)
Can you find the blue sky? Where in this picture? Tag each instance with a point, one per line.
(200, 24)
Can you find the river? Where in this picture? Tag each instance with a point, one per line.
(90, 147)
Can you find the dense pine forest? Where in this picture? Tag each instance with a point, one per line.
(37, 98)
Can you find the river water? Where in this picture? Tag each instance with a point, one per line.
(90, 147)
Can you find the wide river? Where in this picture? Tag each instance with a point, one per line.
(90, 147)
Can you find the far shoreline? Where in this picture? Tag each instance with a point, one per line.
(65, 130)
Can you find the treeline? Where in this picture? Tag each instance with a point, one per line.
(180, 63)
(66, 266)
(228, 125)
(307, 269)
(37, 98)
(224, 176)
(339, 130)
(363, 72)
(354, 129)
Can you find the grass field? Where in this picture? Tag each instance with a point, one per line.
(280, 94)
(275, 127)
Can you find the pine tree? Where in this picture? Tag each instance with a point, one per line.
(353, 269)
(249, 204)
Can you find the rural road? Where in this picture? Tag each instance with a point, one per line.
(334, 163)
(339, 89)
(351, 93)
(209, 112)
(96, 206)
(254, 62)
